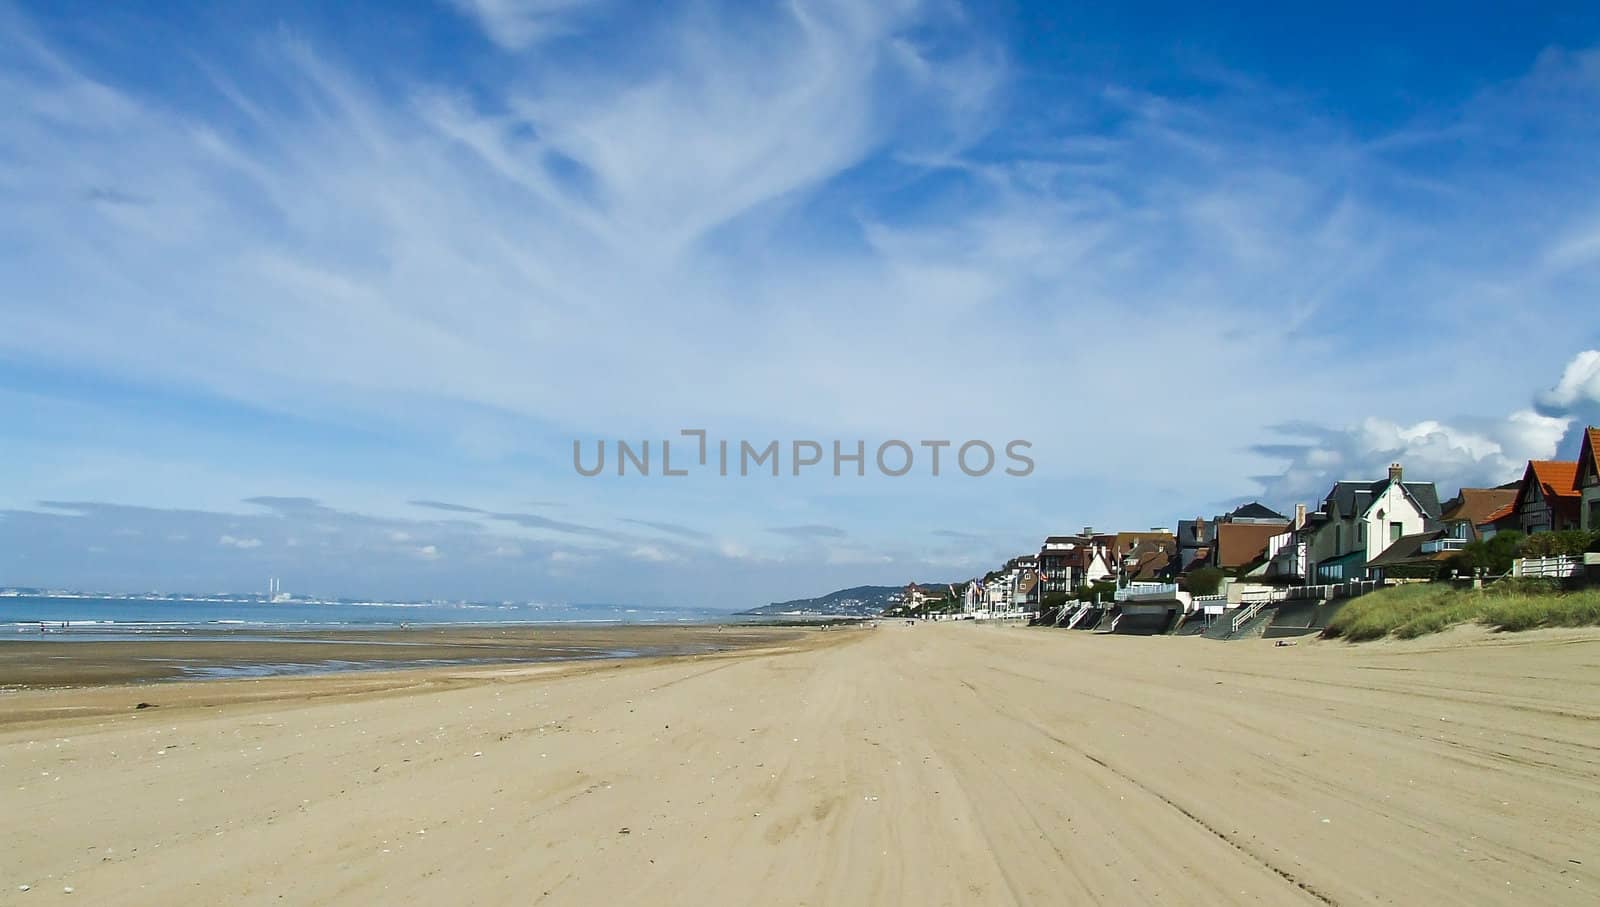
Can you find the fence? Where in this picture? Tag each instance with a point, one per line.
(1552, 567)
(1347, 589)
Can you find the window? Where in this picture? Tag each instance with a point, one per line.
(1396, 530)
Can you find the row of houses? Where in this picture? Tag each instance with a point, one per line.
(1067, 563)
(1363, 529)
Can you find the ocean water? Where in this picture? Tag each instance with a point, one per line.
(81, 618)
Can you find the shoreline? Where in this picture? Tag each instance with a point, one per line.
(220, 654)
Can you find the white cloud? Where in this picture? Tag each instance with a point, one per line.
(1579, 385)
(518, 24)
(243, 544)
(725, 129)
(429, 552)
(1575, 398)
(652, 553)
(853, 555)
(1465, 453)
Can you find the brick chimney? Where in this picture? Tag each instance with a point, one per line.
(1395, 472)
(1299, 516)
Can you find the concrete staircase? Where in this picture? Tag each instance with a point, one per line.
(1086, 617)
(1222, 626)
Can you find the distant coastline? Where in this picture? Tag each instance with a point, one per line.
(81, 615)
(255, 598)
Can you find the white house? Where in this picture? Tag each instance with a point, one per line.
(1024, 572)
(1359, 519)
(1289, 551)
(997, 593)
(1098, 565)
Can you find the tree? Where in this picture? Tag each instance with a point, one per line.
(1494, 555)
(1205, 581)
(1100, 590)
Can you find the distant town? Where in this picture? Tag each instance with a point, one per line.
(1273, 573)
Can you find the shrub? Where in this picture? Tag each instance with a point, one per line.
(1101, 590)
(1555, 544)
(1205, 581)
(1494, 555)
(1413, 571)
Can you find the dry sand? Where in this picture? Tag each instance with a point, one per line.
(942, 764)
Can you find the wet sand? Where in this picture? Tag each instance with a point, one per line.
(937, 764)
(32, 662)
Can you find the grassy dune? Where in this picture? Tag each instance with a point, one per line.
(1414, 610)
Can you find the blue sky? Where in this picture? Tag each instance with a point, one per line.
(279, 279)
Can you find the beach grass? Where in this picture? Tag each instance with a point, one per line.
(1418, 609)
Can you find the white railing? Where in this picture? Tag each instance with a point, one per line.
(1146, 590)
(1247, 612)
(1553, 567)
(1434, 546)
(1347, 589)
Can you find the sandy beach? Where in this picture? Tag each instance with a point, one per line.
(937, 764)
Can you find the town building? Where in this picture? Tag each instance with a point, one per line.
(1548, 498)
(1197, 539)
(1358, 520)
(1588, 481)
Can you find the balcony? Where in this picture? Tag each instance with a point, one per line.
(1434, 546)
